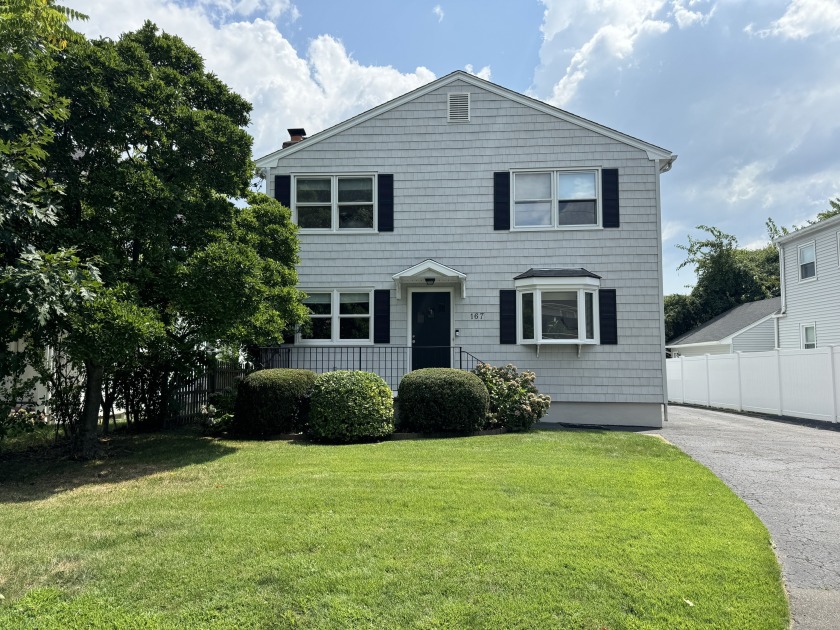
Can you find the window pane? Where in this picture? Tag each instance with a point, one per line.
(313, 191)
(559, 315)
(319, 303)
(527, 315)
(810, 337)
(355, 217)
(590, 315)
(532, 214)
(807, 254)
(532, 186)
(314, 216)
(354, 328)
(576, 185)
(319, 328)
(354, 304)
(577, 213)
(355, 189)
(808, 270)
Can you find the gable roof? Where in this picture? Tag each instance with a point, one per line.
(831, 222)
(728, 324)
(653, 152)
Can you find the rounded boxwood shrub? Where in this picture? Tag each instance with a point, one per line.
(350, 407)
(443, 400)
(272, 401)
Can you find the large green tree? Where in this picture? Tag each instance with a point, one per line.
(39, 283)
(153, 157)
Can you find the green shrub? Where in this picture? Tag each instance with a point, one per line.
(225, 400)
(273, 401)
(350, 407)
(442, 399)
(515, 402)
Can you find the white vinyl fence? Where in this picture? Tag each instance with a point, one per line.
(797, 383)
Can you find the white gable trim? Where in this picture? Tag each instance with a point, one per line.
(653, 152)
(746, 328)
(429, 269)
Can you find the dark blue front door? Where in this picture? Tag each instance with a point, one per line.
(430, 333)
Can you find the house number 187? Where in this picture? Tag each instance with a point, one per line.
(476, 315)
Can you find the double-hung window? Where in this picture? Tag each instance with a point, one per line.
(558, 310)
(338, 316)
(558, 199)
(335, 202)
(808, 261)
(809, 336)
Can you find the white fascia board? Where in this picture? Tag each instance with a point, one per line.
(547, 283)
(653, 152)
(425, 268)
(833, 222)
(695, 345)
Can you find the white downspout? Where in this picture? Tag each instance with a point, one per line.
(661, 292)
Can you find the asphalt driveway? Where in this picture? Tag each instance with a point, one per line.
(790, 476)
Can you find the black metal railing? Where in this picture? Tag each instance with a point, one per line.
(390, 362)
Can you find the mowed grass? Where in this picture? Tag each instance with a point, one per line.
(551, 529)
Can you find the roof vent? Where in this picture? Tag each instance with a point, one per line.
(459, 107)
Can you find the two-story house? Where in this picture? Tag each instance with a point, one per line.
(465, 220)
(809, 264)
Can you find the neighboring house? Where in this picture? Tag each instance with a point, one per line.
(809, 262)
(750, 327)
(465, 220)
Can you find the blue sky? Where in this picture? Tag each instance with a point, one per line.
(746, 92)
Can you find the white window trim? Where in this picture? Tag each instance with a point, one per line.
(599, 225)
(537, 286)
(802, 328)
(799, 261)
(335, 317)
(334, 177)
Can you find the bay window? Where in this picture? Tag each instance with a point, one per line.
(334, 202)
(338, 316)
(557, 310)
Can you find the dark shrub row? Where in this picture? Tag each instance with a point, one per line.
(347, 406)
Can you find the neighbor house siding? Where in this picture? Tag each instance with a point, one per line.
(759, 338)
(816, 300)
(699, 351)
(443, 209)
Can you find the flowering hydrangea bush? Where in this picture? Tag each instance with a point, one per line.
(21, 420)
(515, 402)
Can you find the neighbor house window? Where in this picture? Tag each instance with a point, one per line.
(809, 336)
(335, 202)
(807, 261)
(556, 199)
(338, 316)
(557, 308)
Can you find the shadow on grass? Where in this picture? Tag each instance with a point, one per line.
(36, 475)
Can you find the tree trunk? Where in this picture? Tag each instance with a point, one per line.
(87, 439)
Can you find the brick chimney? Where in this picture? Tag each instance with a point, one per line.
(296, 136)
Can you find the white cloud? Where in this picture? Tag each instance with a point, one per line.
(613, 28)
(319, 88)
(484, 73)
(671, 229)
(438, 12)
(804, 18)
(685, 17)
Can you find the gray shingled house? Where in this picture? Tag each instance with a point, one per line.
(462, 222)
(749, 327)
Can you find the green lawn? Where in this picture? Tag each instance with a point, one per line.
(566, 529)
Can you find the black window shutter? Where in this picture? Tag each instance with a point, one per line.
(283, 189)
(382, 316)
(609, 197)
(385, 195)
(507, 316)
(609, 324)
(501, 202)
